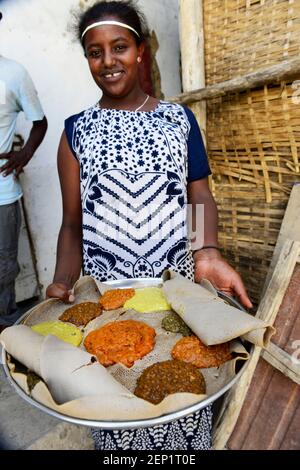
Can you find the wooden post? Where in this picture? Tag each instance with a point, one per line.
(192, 54)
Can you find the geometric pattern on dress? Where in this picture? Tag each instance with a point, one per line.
(190, 433)
(133, 168)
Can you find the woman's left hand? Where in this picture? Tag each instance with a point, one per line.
(210, 265)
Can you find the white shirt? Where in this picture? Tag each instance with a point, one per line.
(17, 93)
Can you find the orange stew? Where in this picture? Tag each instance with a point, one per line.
(120, 342)
(193, 351)
(115, 298)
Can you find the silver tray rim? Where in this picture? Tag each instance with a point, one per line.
(128, 424)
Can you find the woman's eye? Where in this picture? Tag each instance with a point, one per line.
(94, 54)
(120, 48)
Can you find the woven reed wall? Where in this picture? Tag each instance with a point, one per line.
(242, 36)
(253, 138)
(254, 152)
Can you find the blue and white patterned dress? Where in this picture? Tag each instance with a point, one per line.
(134, 170)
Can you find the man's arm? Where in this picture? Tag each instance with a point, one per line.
(17, 160)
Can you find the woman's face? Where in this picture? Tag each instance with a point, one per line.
(112, 54)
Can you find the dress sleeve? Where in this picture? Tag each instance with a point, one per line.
(69, 130)
(198, 167)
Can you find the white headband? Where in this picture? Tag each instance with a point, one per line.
(113, 23)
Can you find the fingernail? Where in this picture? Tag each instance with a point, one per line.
(71, 298)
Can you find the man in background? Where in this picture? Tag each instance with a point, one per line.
(17, 94)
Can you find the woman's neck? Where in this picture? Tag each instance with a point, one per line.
(129, 102)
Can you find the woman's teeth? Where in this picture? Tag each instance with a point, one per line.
(110, 75)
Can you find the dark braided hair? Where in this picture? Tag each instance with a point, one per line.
(125, 10)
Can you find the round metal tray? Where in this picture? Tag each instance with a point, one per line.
(115, 425)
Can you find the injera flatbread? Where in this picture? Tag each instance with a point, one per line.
(209, 317)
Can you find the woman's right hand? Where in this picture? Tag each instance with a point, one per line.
(59, 290)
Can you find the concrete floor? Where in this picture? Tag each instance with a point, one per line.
(23, 426)
(20, 424)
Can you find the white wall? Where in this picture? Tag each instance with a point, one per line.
(35, 33)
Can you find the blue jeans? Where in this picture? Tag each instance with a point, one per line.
(10, 222)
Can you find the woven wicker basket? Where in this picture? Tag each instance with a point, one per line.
(254, 147)
(242, 36)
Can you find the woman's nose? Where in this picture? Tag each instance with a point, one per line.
(108, 59)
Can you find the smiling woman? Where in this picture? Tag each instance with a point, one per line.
(113, 36)
(128, 167)
(112, 55)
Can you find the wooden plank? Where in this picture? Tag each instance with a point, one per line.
(287, 69)
(290, 228)
(268, 307)
(283, 362)
(267, 311)
(26, 285)
(267, 419)
(273, 397)
(291, 441)
(233, 404)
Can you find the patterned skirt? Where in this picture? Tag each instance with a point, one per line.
(190, 433)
